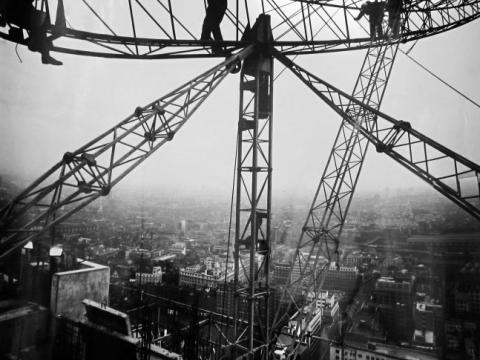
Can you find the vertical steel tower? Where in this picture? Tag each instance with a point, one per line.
(253, 197)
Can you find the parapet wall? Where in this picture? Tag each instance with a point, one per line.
(69, 288)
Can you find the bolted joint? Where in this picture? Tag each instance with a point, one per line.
(262, 247)
(84, 187)
(382, 148)
(404, 125)
(138, 111)
(105, 190)
(170, 135)
(160, 110)
(89, 159)
(316, 238)
(319, 235)
(149, 136)
(68, 157)
(234, 67)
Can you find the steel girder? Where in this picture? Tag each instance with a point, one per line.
(254, 198)
(156, 29)
(420, 19)
(91, 171)
(453, 175)
(322, 228)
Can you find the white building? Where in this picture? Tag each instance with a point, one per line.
(178, 248)
(372, 351)
(149, 278)
(209, 274)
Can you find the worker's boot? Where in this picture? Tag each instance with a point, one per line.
(47, 59)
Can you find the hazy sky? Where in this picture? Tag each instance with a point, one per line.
(48, 110)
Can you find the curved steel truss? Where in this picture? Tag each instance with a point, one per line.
(155, 29)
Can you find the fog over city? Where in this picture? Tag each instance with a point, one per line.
(201, 253)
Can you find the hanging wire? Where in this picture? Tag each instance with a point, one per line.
(406, 53)
(248, 13)
(18, 55)
(411, 47)
(230, 229)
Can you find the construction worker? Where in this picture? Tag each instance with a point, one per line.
(394, 8)
(375, 11)
(23, 14)
(211, 24)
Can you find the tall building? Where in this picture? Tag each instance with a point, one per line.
(155, 277)
(394, 300)
(225, 301)
(467, 290)
(182, 226)
(281, 271)
(328, 302)
(353, 259)
(211, 274)
(427, 323)
(343, 279)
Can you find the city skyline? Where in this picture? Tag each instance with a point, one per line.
(175, 262)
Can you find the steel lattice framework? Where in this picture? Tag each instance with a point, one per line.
(442, 168)
(91, 171)
(155, 29)
(254, 195)
(297, 27)
(321, 232)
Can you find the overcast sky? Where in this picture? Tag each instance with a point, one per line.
(48, 110)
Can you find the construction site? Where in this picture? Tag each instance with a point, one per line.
(85, 276)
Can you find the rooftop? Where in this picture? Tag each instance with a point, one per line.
(445, 238)
(394, 351)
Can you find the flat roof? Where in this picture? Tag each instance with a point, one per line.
(468, 237)
(394, 351)
(86, 266)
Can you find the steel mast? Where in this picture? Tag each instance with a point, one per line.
(254, 197)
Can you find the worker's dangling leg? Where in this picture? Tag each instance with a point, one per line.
(372, 29)
(396, 25)
(379, 29)
(38, 40)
